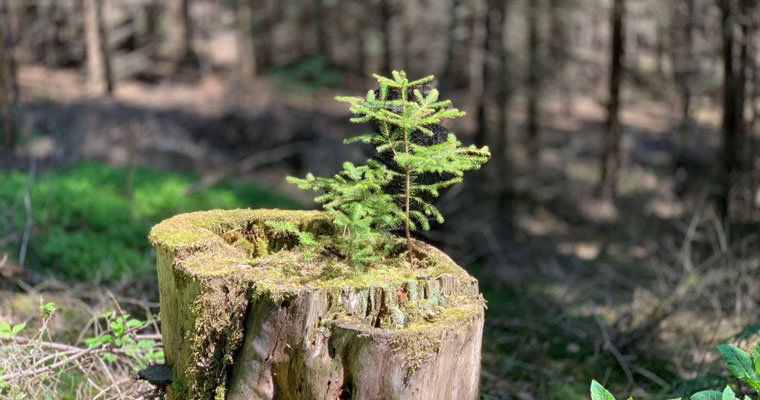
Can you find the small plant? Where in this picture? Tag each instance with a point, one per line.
(745, 367)
(33, 365)
(121, 337)
(416, 159)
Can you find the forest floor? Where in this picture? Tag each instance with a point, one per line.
(634, 292)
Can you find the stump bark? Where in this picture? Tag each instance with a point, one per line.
(246, 316)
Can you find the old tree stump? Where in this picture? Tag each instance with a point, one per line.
(244, 315)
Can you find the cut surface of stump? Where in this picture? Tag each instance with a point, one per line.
(246, 314)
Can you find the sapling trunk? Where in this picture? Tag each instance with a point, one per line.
(408, 184)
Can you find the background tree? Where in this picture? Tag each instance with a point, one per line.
(685, 68)
(732, 101)
(178, 33)
(99, 73)
(611, 150)
(533, 83)
(246, 15)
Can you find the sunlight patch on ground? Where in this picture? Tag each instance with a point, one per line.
(599, 211)
(585, 251)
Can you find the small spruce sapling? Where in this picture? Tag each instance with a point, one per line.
(414, 163)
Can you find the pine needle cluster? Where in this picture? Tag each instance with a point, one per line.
(394, 191)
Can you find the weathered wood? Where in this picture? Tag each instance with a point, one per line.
(243, 317)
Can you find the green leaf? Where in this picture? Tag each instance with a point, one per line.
(47, 309)
(5, 327)
(707, 395)
(728, 394)
(598, 392)
(18, 328)
(739, 363)
(134, 323)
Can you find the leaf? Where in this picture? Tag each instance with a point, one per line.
(707, 395)
(756, 357)
(5, 327)
(728, 394)
(134, 323)
(18, 328)
(598, 392)
(739, 363)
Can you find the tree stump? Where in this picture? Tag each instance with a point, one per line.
(246, 316)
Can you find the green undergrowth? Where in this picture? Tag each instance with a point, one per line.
(530, 337)
(84, 226)
(306, 76)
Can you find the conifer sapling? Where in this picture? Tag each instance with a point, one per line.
(416, 159)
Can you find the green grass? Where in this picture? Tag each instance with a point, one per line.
(84, 227)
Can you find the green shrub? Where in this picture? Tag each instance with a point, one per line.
(83, 226)
(745, 367)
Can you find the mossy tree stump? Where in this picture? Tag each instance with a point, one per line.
(245, 316)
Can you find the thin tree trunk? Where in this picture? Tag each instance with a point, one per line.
(731, 120)
(246, 45)
(323, 47)
(263, 26)
(754, 98)
(5, 95)
(99, 76)
(533, 80)
(559, 50)
(178, 41)
(386, 13)
(492, 22)
(501, 152)
(492, 116)
(450, 75)
(684, 67)
(611, 156)
(10, 56)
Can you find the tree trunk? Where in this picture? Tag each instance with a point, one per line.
(533, 84)
(684, 66)
(501, 152)
(386, 13)
(611, 156)
(323, 47)
(263, 27)
(559, 50)
(490, 71)
(240, 320)
(246, 45)
(731, 113)
(178, 31)
(492, 116)
(5, 87)
(8, 41)
(99, 76)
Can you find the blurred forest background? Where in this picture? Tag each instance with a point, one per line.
(614, 232)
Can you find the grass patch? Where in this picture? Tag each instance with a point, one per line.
(83, 226)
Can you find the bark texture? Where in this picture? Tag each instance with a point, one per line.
(244, 317)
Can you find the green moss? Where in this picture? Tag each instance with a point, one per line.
(420, 341)
(86, 227)
(219, 242)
